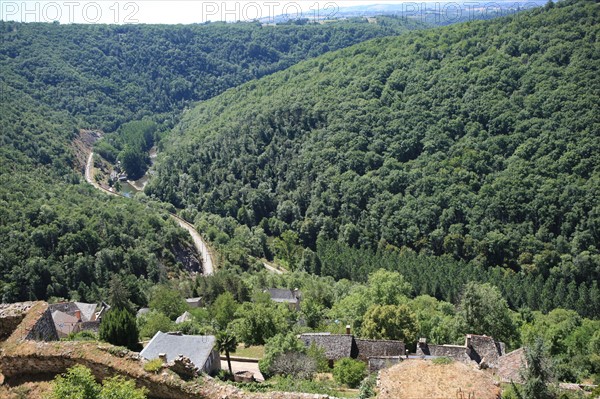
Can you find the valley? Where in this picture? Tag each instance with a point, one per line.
(371, 206)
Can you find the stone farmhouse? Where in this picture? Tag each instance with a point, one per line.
(199, 349)
(73, 317)
(338, 346)
(291, 297)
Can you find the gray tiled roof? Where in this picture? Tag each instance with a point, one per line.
(186, 316)
(64, 322)
(88, 310)
(142, 311)
(195, 347)
(283, 295)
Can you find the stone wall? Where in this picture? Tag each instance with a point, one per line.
(43, 329)
(382, 362)
(11, 315)
(368, 348)
(484, 348)
(508, 367)
(456, 352)
(39, 364)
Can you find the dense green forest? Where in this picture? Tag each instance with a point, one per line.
(105, 75)
(60, 239)
(479, 141)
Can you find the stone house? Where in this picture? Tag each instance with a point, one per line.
(194, 302)
(477, 348)
(73, 317)
(200, 349)
(291, 297)
(338, 346)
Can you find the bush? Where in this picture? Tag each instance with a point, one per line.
(82, 336)
(79, 383)
(278, 345)
(295, 364)
(153, 366)
(442, 360)
(367, 387)
(119, 388)
(119, 327)
(350, 372)
(149, 324)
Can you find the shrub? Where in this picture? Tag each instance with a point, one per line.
(350, 372)
(367, 387)
(82, 336)
(119, 388)
(276, 346)
(77, 383)
(442, 360)
(119, 327)
(153, 366)
(294, 364)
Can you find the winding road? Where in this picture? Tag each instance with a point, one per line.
(199, 243)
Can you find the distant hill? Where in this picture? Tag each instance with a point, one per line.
(431, 13)
(478, 140)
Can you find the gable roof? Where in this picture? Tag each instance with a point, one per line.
(88, 310)
(64, 322)
(336, 346)
(283, 295)
(195, 347)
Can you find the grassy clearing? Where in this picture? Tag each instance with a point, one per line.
(252, 352)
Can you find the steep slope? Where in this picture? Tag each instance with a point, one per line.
(478, 140)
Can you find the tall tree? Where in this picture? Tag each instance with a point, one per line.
(483, 310)
(119, 327)
(226, 342)
(390, 322)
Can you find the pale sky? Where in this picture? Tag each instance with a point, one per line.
(172, 12)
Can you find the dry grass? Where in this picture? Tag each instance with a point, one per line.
(26, 390)
(424, 380)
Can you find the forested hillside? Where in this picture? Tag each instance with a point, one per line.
(480, 141)
(61, 239)
(108, 74)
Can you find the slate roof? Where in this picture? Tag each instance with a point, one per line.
(186, 316)
(193, 301)
(283, 295)
(88, 310)
(336, 346)
(142, 311)
(64, 322)
(195, 347)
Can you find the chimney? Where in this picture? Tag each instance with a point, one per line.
(347, 329)
(163, 357)
(78, 315)
(468, 340)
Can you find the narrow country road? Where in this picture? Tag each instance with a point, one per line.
(201, 247)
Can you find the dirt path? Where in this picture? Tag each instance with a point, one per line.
(272, 269)
(199, 243)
